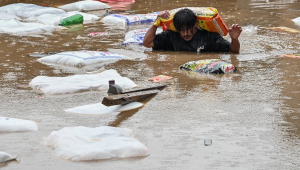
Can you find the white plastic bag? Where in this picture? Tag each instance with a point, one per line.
(5, 157)
(16, 125)
(84, 6)
(81, 58)
(105, 142)
(55, 19)
(137, 36)
(16, 27)
(79, 83)
(24, 11)
(297, 21)
(124, 20)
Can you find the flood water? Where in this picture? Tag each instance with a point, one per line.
(252, 116)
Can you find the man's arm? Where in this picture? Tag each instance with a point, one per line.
(234, 33)
(150, 34)
(149, 37)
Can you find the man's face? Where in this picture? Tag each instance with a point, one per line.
(187, 35)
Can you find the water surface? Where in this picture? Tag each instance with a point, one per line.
(252, 116)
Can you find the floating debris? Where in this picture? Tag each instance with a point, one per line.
(207, 142)
(105, 142)
(291, 55)
(159, 78)
(283, 29)
(5, 157)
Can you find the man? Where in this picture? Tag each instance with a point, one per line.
(189, 37)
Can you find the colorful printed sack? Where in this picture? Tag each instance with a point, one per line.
(208, 18)
(214, 66)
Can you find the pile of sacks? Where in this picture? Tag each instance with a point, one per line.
(22, 18)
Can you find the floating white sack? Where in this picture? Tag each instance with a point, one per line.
(5, 16)
(124, 20)
(137, 36)
(297, 21)
(81, 58)
(99, 108)
(84, 6)
(24, 11)
(16, 125)
(5, 157)
(84, 143)
(79, 83)
(55, 19)
(17, 27)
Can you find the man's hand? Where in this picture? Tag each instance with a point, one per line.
(150, 34)
(235, 31)
(162, 14)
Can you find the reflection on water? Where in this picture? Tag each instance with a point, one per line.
(252, 116)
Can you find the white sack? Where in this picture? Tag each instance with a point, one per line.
(297, 21)
(137, 36)
(55, 19)
(99, 108)
(24, 11)
(124, 20)
(17, 27)
(84, 143)
(84, 6)
(5, 157)
(5, 16)
(79, 83)
(16, 125)
(81, 58)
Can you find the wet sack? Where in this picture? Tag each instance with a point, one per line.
(126, 20)
(82, 58)
(208, 18)
(84, 6)
(212, 66)
(137, 36)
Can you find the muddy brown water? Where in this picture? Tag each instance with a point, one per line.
(252, 116)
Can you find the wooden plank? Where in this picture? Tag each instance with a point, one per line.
(144, 89)
(128, 97)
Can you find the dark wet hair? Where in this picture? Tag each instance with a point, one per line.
(184, 19)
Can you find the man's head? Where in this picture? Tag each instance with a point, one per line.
(185, 23)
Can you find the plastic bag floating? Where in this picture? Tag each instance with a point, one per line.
(84, 143)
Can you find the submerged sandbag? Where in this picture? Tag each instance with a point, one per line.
(84, 6)
(124, 20)
(214, 66)
(16, 125)
(16, 27)
(81, 58)
(137, 36)
(105, 142)
(55, 19)
(79, 83)
(5, 157)
(5, 16)
(24, 10)
(99, 108)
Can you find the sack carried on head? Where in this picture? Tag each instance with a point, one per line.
(208, 18)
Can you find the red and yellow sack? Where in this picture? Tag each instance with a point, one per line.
(208, 18)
